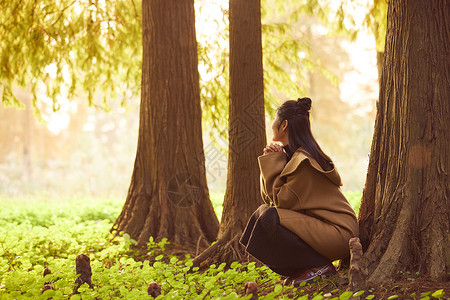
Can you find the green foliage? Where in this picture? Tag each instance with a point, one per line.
(66, 46)
(46, 212)
(345, 295)
(27, 248)
(28, 245)
(95, 48)
(438, 294)
(354, 198)
(217, 202)
(334, 16)
(287, 59)
(284, 70)
(213, 60)
(9, 100)
(376, 20)
(156, 249)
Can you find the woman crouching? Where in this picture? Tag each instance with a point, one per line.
(306, 221)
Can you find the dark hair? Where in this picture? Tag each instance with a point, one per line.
(300, 135)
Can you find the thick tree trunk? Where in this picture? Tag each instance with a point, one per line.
(405, 211)
(168, 196)
(247, 136)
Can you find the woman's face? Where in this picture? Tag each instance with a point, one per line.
(281, 134)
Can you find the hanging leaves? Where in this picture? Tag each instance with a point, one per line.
(70, 46)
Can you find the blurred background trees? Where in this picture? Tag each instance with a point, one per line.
(78, 150)
(309, 49)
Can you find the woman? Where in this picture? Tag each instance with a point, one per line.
(306, 221)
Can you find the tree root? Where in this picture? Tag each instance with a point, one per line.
(357, 274)
(251, 288)
(227, 249)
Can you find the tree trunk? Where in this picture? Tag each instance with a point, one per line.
(404, 215)
(168, 196)
(247, 136)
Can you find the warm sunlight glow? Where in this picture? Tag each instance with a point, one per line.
(56, 121)
(51, 70)
(209, 17)
(361, 83)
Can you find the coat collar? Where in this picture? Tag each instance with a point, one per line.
(301, 155)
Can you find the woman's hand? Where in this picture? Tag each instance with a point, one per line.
(272, 148)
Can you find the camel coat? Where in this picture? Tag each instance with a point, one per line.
(309, 201)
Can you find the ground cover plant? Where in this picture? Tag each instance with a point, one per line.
(39, 233)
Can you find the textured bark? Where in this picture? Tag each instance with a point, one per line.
(83, 268)
(154, 289)
(247, 136)
(168, 196)
(405, 211)
(357, 273)
(251, 288)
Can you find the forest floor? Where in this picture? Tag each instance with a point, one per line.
(45, 233)
(405, 285)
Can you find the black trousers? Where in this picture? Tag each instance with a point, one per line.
(277, 247)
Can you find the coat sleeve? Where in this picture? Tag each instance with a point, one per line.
(273, 188)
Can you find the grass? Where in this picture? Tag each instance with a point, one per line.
(41, 232)
(49, 233)
(354, 198)
(42, 210)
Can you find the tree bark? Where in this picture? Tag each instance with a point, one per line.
(247, 136)
(405, 210)
(168, 195)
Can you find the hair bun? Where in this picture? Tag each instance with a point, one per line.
(304, 104)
